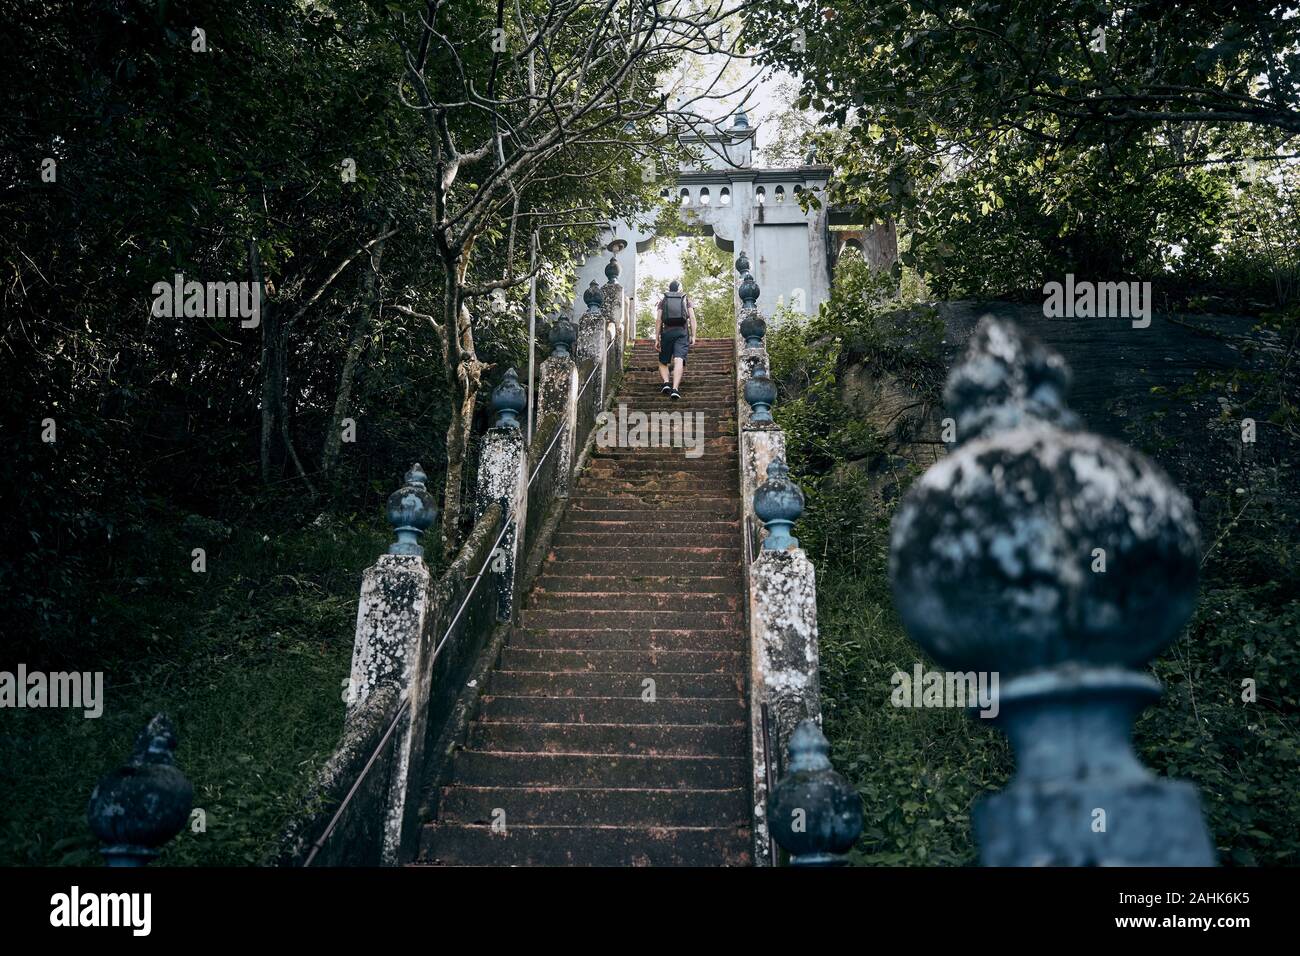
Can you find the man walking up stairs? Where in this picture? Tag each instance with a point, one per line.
(613, 729)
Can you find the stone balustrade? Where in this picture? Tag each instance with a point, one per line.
(780, 583)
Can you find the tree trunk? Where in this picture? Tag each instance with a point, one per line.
(272, 370)
(464, 373)
(880, 245)
(356, 348)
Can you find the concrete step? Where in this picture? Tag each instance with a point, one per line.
(658, 484)
(675, 505)
(458, 845)
(554, 806)
(611, 710)
(570, 684)
(678, 466)
(599, 541)
(662, 511)
(637, 601)
(685, 740)
(565, 618)
(725, 448)
(651, 560)
(646, 663)
(552, 583)
(641, 639)
(635, 568)
(480, 768)
(657, 524)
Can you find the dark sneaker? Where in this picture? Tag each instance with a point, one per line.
(666, 389)
(675, 394)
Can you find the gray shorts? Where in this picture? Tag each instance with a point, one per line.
(673, 343)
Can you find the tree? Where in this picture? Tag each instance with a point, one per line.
(550, 91)
(931, 113)
(708, 277)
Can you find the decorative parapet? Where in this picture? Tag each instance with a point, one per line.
(1062, 562)
(503, 479)
(418, 639)
(781, 591)
(393, 648)
(814, 813)
(591, 326)
(557, 394)
(616, 317)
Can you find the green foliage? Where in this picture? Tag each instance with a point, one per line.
(1012, 156)
(707, 278)
(249, 658)
(920, 771)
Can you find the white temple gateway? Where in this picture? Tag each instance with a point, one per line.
(792, 253)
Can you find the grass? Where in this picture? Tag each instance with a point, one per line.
(918, 770)
(248, 658)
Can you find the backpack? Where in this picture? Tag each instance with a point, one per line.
(674, 309)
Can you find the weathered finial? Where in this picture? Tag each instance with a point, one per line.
(411, 511)
(753, 327)
(813, 813)
(778, 503)
(748, 290)
(742, 263)
(613, 269)
(1006, 380)
(760, 393)
(1061, 562)
(562, 335)
(508, 400)
(593, 297)
(137, 808)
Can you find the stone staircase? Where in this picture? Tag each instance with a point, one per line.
(571, 756)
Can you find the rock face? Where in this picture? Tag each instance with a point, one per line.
(1122, 376)
(907, 421)
(613, 730)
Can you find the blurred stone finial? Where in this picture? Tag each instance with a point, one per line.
(760, 393)
(748, 291)
(411, 511)
(1006, 380)
(593, 297)
(612, 269)
(508, 400)
(1061, 562)
(742, 263)
(813, 812)
(778, 503)
(137, 808)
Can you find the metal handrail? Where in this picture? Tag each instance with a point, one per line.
(319, 843)
(770, 778)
